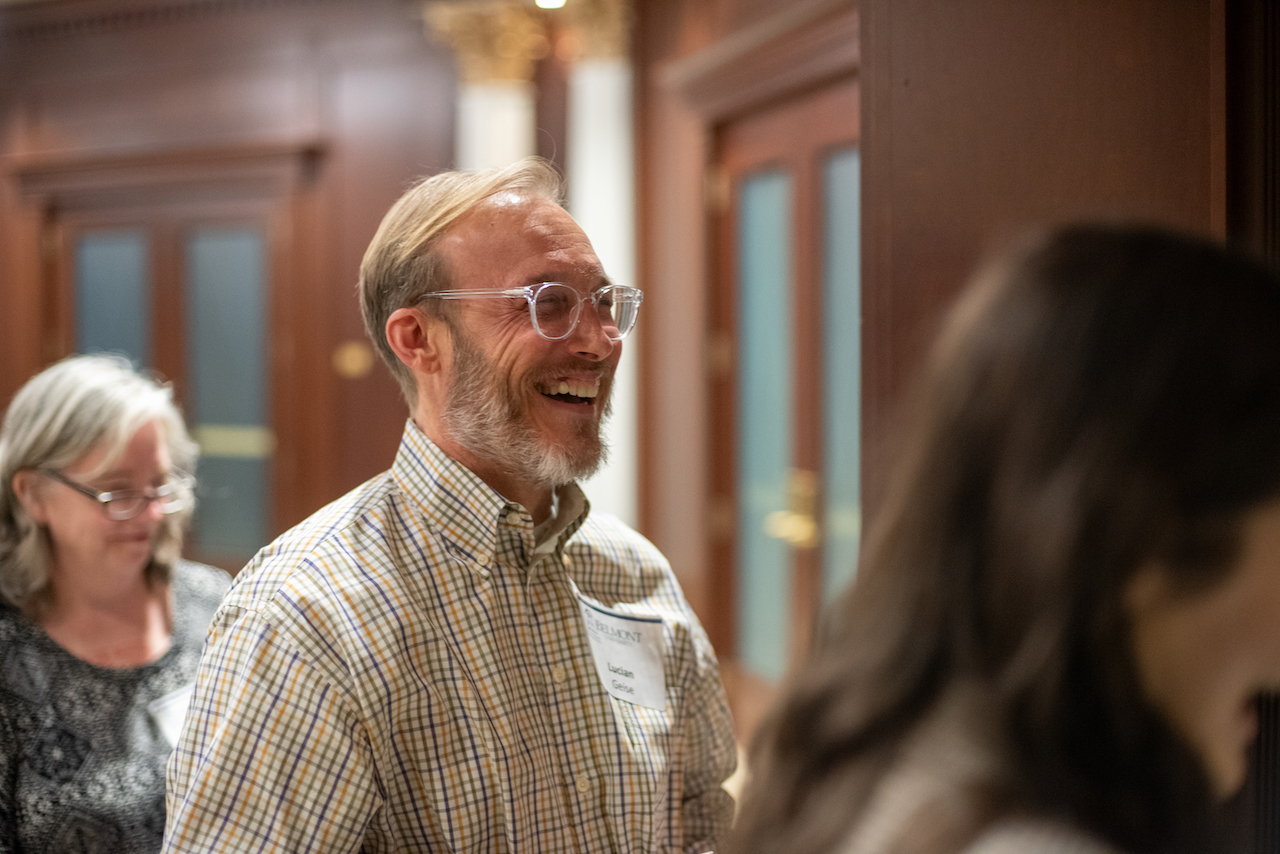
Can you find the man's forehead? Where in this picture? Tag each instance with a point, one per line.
(511, 199)
(509, 206)
(510, 229)
(505, 215)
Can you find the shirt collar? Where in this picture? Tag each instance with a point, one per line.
(571, 511)
(466, 510)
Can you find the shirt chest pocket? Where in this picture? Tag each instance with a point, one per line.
(648, 736)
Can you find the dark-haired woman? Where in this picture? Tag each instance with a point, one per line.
(1070, 599)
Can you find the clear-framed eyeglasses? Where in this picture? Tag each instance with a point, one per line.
(555, 308)
(122, 504)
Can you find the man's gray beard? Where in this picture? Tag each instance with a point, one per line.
(484, 418)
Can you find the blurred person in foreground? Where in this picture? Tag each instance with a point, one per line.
(101, 623)
(1070, 599)
(457, 656)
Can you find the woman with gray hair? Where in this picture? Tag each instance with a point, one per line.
(101, 622)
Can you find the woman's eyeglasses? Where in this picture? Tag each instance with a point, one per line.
(172, 495)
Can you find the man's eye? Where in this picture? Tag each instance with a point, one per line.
(554, 304)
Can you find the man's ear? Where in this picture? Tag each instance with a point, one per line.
(419, 340)
(26, 485)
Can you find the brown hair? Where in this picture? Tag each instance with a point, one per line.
(1105, 396)
(401, 265)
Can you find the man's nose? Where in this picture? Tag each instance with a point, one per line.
(588, 338)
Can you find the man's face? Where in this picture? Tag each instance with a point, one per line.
(528, 407)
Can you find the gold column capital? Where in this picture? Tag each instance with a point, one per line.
(494, 40)
(600, 29)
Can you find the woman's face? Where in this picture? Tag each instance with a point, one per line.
(1204, 657)
(83, 539)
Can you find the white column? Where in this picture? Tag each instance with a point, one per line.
(495, 124)
(600, 161)
(496, 43)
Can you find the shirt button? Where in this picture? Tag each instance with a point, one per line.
(558, 675)
(513, 517)
(584, 785)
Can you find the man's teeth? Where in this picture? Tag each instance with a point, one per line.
(586, 390)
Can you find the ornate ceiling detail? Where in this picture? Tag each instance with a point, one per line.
(494, 40)
(600, 28)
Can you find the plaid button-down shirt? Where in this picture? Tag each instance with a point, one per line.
(403, 672)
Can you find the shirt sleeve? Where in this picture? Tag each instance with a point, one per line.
(706, 810)
(271, 758)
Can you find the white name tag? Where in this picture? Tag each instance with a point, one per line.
(169, 711)
(628, 654)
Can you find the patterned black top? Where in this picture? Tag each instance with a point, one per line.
(83, 748)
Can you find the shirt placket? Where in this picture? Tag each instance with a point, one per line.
(542, 663)
(570, 703)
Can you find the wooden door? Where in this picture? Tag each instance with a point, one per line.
(185, 290)
(786, 348)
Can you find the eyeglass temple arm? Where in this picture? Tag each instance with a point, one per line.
(457, 294)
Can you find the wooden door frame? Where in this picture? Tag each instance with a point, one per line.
(63, 230)
(270, 184)
(748, 146)
(809, 44)
(166, 224)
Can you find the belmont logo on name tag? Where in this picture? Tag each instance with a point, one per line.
(628, 654)
(169, 711)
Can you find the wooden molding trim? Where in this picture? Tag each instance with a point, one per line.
(808, 44)
(34, 21)
(70, 182)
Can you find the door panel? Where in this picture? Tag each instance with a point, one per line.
(765, 428)
(183, 291)
(113, 293)
(227, 373)
(786, 420)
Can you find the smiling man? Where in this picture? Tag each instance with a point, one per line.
(457, 656)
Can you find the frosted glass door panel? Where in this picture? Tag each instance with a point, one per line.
(764, 419)
(227, 367)
(842, 360)
(113, 294)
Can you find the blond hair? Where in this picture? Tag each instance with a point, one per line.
(401, 264)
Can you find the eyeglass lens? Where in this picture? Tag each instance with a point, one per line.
(171, 497)
(556, 310)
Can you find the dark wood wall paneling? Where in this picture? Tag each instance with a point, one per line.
(1253, 221)
(984, 119)
(355, 89)
(551, 83)
(1253, 126)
